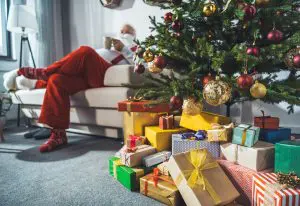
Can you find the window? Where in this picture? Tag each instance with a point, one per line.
(5, 38)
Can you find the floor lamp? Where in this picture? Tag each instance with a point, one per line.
(22, 20)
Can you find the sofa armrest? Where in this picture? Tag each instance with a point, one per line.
(118, 75)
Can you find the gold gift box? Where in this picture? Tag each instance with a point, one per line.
(161, 139)
(202, 121)
(164, 191)
(200, 179)
(220, 133)
(135, 122)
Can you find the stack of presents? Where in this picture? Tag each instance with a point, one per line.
(204, 159)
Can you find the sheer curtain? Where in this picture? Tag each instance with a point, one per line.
(47, 44)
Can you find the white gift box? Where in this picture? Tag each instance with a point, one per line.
(258, 158)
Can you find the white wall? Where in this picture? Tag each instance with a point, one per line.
(89, 21)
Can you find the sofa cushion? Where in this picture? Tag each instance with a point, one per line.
(105, 97)
(118, 75)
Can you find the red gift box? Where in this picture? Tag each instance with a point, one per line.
(266, 191)
(143, 106)
(266, 122)
(241, 178)
(166, 122)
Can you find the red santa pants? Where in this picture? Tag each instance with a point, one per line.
(79, 70)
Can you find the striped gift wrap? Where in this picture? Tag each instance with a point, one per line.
(267, 192)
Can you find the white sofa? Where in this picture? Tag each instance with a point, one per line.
(93, 111)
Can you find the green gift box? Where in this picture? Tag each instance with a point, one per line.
(130, 177)
(245, 135)
(111, 164)
(287, 157)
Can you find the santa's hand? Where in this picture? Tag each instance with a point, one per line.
(118, 45)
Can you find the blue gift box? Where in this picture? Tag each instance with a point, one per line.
(180, 145)
(275, 135)
(245, 135)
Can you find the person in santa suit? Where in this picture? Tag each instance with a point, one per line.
(82, 69)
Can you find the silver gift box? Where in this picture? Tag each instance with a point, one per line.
(156, 158)
(180, 145)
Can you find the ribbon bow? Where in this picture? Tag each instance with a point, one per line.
(196, 177)
(133, 139)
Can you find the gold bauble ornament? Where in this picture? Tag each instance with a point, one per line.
(148, 56)
(191, 106)
(154, 69)
(209, 9)
(216, 92)
(258, 90)
(262, 2)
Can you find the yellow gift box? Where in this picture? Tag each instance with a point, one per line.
(161, 139)
(202, 121)
(135, 122)
(220, 133)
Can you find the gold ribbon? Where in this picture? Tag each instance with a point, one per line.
(196, 177)
(244, 137)
(130, 100)
(115, 164)
(219, 126)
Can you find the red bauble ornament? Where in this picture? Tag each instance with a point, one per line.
(275, 35)
(176, 102)
(160, 62)
(245, 81)
(168, 17)
(253, 51)
(207, 79)
(296, 60)
(249, 11)
(139, 69)
(177, 25)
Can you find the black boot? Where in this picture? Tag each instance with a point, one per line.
(31, 133)
(43, 133)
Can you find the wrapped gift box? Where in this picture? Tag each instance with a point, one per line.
(266, 191)
(245, 135)
(180, 145)
(287, 157)
(163, 190)
(134, 141)
(220, 133)
(143, 106)
(135, 122)
(202, 121)
(134, 158)
(166, 122)
(275, 135)
(129, 177)
(163, 168)
(189, 168)
(258, 158)
(161, 139)
(241, 177)
(156, 158)
(113, 162)
(266, 122)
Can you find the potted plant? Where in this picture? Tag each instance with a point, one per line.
(5, 104)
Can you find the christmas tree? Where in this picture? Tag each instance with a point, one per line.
(223, 52)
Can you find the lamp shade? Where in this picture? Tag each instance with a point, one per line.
(22, 19)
